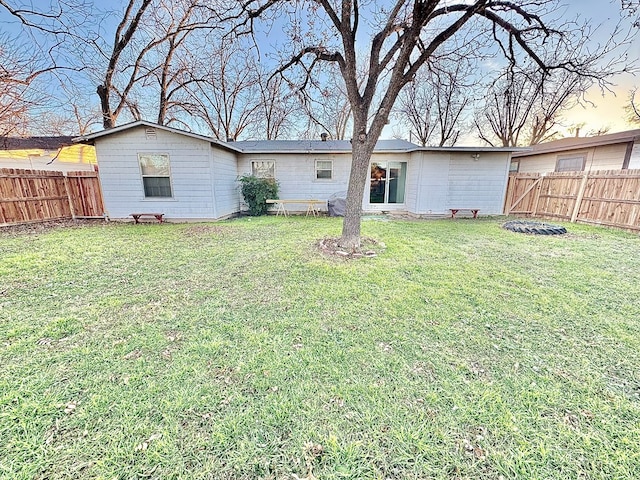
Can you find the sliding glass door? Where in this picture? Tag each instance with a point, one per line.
(388, 181)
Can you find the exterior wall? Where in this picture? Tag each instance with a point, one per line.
(191, 178)
(226, 189)
(432, 182)
(455, 180)
(478, 183)
(297, 176)
(604, 157)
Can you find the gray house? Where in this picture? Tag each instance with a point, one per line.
(614, 151)
(145, 167)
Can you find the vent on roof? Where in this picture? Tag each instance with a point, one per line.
(150, 133)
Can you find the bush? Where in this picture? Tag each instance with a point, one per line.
(256, 191)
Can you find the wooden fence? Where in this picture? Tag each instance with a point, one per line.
(607, 197)
(38, 195)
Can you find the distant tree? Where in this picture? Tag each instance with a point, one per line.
(433, 104)
(633, 108)
(144, 53)
(34, 59)
(524, 106)
(325, 105)
(278, 107)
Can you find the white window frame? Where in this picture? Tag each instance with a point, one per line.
(253, 169)
(316, 170)
(143, 176)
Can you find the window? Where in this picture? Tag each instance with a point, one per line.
(156, 176)
(514, 167)
(324, 169)
(263, 168)
(570, 163)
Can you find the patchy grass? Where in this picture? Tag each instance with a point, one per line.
(237, 350)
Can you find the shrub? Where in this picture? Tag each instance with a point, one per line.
(256, 191)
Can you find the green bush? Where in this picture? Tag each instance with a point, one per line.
(256, 191)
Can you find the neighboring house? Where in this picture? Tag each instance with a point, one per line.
(615, 151)
(146, 167)
(46, 153)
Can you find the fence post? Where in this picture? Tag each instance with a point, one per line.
(579, 197)
(68, 190)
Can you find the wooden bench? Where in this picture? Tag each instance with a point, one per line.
(474, 211)
(157, 216)
(311, 205)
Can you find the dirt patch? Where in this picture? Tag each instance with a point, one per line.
(369, 248)
(35, 228)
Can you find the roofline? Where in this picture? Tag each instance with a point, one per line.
(471, 149)
(90, 138)
(589, 142)
(311, 150)
(386, 150)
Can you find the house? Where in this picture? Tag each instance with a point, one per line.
(146, 167)
(615, 151)
(46, 153)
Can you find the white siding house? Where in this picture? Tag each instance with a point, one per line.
(148, 168)
(200, 178)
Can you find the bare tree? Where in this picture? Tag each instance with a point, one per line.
(278, 107)
(224, 91)
(145, 44)
(405, 36)
(432, 105)
(34, 61)
(524, 107)
(16, 96)
(633, 108)
(326, 106)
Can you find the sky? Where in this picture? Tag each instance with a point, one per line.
(603, 109)
(608, 108)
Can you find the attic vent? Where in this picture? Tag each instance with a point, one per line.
(150, 132)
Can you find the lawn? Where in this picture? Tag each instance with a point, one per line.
(235, 350)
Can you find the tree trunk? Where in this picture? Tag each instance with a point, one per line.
(361, 154)
(107, 116)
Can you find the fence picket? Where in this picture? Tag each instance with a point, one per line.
(38, 195)
(607, 197)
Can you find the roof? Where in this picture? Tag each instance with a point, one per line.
(293, 146)
(40, 143)
(577, 143)
(90, 138)
(317, 146)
